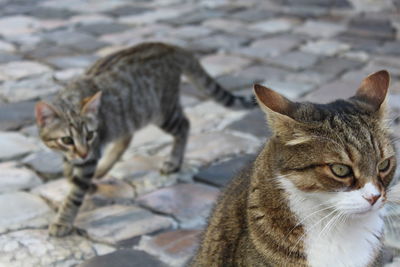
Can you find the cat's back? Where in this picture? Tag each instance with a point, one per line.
(134, 56)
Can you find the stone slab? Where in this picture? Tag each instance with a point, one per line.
(47, 163)
(15, 145)
(13, 178)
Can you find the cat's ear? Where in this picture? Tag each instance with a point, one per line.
(45, 113)
(91, 105)
(373, 89)
(273, 102)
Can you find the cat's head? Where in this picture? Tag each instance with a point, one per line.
(339, 154)
(72, 132)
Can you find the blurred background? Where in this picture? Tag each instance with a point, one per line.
(316, 50)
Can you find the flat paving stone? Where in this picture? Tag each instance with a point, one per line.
(103, 28)
(263, 72)
(15, 145)
(220, 174)
(224, 42)
(320, 28)
(67, 62)
(6, 57)
(253, 123)
(275, 25)
(220, 64)
(29, 88)
(109, 224)
(190, 204)
(47, 163)
(21, 69)
(335, 66)
(372, 28)
(325, 47)
(19, 210)
(13, 178)
(36, 248)
(19, 24)
(175, 248)
(294, 60)
(270, 47)
(332, 91)
(15, 115)
(124, 258)
(54, 192)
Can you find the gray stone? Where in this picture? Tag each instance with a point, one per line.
(14, 145)
(21, 210)
(78, 41)
(253, 15)
(175, 248)
(103, 28)
(253, 123)
(16, 25)
(190, 204)
(21, 69)
(335, 66)
(220, 64)
(66, 62)
(15, 115)
(154, 15)
(221, 173)
(275, 25)
(50, 13)
(29, 88)
(48, 164)
(373, 28)
(8, 57)
(319, 28)
(310, 77)
(332, 91)
(124, 258)
(263, 72)
(109, 224)
(390, 48)
(325, 47)
(195, 17)
(54, 192)
(190, 32)
(127, 10)
(13, 178)
(294, 60)
(46, 49)
(226, 42)
(270, 47)
(230, 81)
(35, 248)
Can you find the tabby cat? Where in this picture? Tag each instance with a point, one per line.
(118, 95)
(314, 195)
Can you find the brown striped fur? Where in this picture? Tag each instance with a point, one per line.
(117, 96)
(253, 223)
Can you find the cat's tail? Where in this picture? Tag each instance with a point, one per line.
(203, 81)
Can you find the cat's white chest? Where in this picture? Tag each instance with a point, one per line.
(351, 244)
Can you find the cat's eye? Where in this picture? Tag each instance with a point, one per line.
(341, 170)
(384, 165)
(89, 135)
(67, 140)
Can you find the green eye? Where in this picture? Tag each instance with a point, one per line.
(384, 165)
(67, 140)
(89, 135)
(341, 170)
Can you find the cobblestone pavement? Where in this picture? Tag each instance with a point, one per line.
(310, 49)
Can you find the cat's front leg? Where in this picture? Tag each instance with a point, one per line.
(80, 179)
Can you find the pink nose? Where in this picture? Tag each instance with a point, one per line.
(372, 199)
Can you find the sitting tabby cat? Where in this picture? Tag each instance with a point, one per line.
(118, 95)
(314, 195)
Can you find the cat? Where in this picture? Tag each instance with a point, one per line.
(92, 120)
(314, 195)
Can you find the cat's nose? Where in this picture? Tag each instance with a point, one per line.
(372, 199)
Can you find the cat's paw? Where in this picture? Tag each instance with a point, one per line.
(169, 167)
(60, 230)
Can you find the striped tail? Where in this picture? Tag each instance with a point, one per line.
(203, 81)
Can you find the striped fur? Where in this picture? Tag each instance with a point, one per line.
(289, 208)
(118, 95)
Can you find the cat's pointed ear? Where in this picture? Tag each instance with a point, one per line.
(373, 89)
(45, 113)
(273, 102)
(91, 105)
